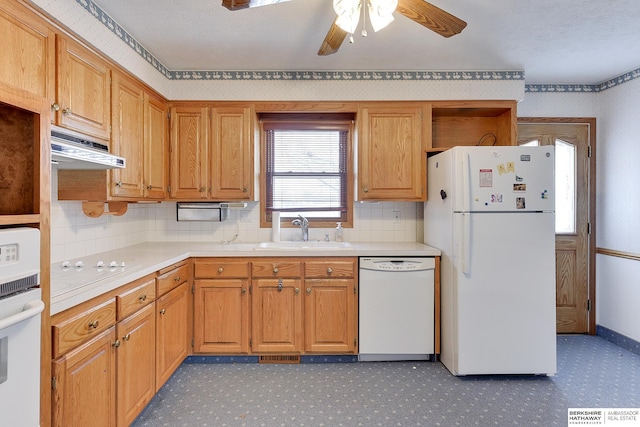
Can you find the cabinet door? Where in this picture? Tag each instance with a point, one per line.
(276, 316)
(84, 90)
(221, 316)
(127, 118)
(84, 391)
(156, 148)
(232, 153)
(189, 163)
(136, 373)
(392, 159)
(28, 51)
(172, 332)
(330, 316)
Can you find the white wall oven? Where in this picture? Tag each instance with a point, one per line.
(20, 310)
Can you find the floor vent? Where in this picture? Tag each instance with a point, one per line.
(279, 359)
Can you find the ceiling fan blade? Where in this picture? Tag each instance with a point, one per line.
(333, 40)
(431, 17)
(245, 4)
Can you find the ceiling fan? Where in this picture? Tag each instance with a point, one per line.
(419, 11)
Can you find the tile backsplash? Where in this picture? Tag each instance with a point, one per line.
(74, 235)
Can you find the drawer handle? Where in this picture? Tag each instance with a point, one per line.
(297, 290)
(220, 270)
(116, 343)
(329, 270)
(143, 297)
(275, 269)
(163, 311)
(94, 324)
(176, 279)
(66, 111)
(127, 337)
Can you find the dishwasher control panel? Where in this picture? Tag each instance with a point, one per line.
(397, 264)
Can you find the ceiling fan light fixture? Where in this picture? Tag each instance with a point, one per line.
(381, 13)
(348, 12)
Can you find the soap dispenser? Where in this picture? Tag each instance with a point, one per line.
(339, 236)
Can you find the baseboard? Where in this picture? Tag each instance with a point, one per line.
(347, 358)
(618, 339)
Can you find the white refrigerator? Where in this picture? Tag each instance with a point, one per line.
(490, 210)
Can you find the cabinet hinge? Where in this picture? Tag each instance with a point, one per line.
(250, 289)
(169, 189)
(54, 383)
(193, 288)
(589, 151)
(169, 115)
(588, 305)
(355, 342)
(193, 342)
(250, 342)
(589, 228)
(355, 290)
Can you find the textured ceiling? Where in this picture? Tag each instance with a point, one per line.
(567, 41)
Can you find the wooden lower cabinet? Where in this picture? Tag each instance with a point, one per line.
(275, 305)
(221, 316)
(136, 373)
(84, 387)
(172, 332)
(330, 318)
(276, 311)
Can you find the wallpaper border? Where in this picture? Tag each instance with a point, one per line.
(219, 75)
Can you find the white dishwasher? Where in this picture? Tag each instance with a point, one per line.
(396, 309)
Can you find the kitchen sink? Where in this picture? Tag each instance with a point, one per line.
(301, 245)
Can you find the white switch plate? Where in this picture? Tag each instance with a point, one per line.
(397, 216)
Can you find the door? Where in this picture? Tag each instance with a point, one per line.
(574, 185)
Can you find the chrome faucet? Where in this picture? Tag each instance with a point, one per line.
(303, 223)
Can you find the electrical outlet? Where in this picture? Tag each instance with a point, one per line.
(397, 217)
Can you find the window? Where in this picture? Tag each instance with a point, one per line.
(306, 165)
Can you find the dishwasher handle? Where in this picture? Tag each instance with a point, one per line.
(397, 265)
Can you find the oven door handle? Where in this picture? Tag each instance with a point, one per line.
(31, 309)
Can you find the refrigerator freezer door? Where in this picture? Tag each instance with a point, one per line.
(501, 179)
(500, 314)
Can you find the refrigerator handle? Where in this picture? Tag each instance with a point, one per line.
(466, 182)
(466, 243)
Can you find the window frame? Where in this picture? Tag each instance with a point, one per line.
(308, 121)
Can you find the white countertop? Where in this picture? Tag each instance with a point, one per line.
(69, 288)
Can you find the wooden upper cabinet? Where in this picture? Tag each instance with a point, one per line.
(127, 136)
(189, 153)
(391, 159)
(83, 101)
(231, 153)
(28, 51)
(156, 148)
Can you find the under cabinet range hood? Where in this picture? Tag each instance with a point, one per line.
(71, 150)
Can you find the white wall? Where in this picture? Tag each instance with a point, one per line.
(618, 195)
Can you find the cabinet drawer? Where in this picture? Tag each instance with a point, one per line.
(74, 331)
(134, 299)
(171, 279)
(276, 268)
(331, 268)
(213, 269)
